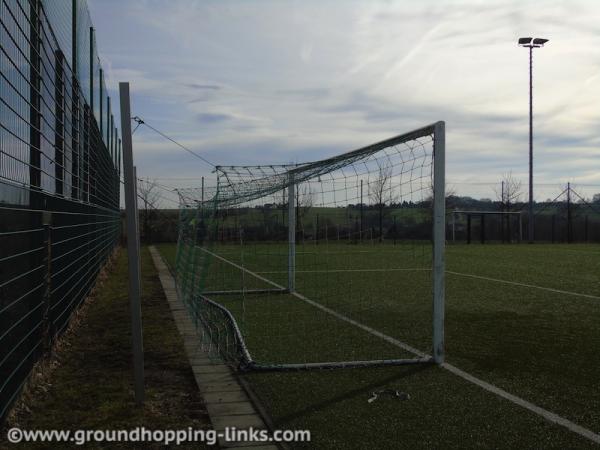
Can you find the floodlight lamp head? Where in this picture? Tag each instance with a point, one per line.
(532, 42)
(525, 40)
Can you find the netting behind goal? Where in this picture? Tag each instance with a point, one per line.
(331, 263)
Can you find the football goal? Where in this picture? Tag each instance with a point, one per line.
(507, 228)
(325, 264)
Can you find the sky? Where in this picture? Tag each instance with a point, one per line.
(269, 82)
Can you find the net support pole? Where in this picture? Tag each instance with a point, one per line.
(439, 232)
(291, 235)
(133, 249)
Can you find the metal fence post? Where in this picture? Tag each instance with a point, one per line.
(59, 127)
(35, 81)
(133, 249)
(291, 235)
(569, 216)
(439, 240)
(468, 228)
(520, 228)
(47, 332)
(482, 224)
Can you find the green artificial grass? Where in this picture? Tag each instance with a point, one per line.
(537, 344)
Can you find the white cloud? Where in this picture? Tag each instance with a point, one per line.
(270, 81)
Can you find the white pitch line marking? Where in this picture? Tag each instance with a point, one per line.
(533, 286)
(548, 415)
(415, 269)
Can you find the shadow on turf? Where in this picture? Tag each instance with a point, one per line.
(366, 390)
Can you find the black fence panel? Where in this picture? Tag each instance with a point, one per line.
(59, 178)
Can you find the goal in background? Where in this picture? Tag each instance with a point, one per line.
(333, 263)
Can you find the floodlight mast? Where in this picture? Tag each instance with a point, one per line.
(531, 43)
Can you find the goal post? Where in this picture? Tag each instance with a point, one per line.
(332, 263)
(439, 239)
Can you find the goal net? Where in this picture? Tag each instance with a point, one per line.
(333, 263)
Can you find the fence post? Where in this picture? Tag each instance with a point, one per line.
(520, 228)
(569, 215)
(482, 220)
(133, 250)
(468, 228)
(502, 218)
(59, 128)
(349, 230)
(35, 82)
(47, 331)
(291, 235)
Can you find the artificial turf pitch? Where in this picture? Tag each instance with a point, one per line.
(535, 343)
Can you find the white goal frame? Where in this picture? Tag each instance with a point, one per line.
(438, 130)
(291, 178)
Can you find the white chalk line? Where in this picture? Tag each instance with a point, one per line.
(532, 286)
(548, 415)
(411, 269)
(415, 269)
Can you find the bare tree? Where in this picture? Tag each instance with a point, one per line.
(510, 191)
(148, 193)
(305, 198)
(380, 191)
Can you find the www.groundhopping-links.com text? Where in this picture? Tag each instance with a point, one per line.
(166, 437)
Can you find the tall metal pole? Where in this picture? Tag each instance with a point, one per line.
(291, 235)
(133, 250)
(569, 216)
(503, 208)
(530, 145)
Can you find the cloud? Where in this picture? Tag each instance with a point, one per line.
(208, 118)
(210, 87)
(306, 80)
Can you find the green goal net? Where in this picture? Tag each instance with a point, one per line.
(333, 263)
